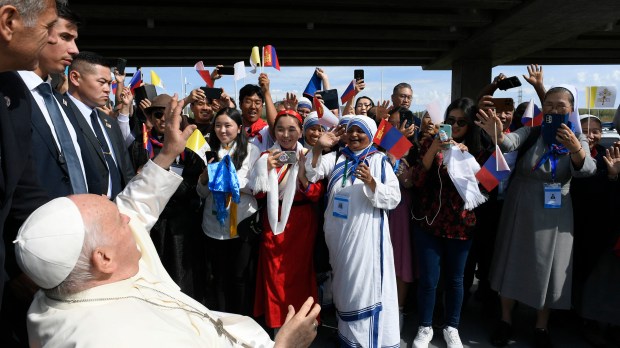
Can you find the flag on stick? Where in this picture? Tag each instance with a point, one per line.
(600, 97)
(494, 170)
(325, 115)
(198, 145)
(391, 139)
(532, 116)
(270, 58)
(349, 93)
(239, 70)
(254, 59)
(155, 80)
(204, 73)
(136, 81)
(313, 85)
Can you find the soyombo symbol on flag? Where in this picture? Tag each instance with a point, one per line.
(270, 57)
(391, 139)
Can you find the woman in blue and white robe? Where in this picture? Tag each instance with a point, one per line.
(362, 188)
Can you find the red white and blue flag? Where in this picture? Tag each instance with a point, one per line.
(114, 87)
(136, 81)
(392, 140)
(494, 170)
(532, 116)
(204, 73)
(270, 58)
(349, 93)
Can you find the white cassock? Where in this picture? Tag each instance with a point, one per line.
(146, 310)
(360, 252)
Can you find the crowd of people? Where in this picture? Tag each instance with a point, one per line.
(124, 237)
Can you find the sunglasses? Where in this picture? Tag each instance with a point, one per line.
(461, 123)
(158, 114)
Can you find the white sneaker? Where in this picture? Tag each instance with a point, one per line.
(451, 335)
(424, 337)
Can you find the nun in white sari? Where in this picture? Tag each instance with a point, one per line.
(362, 188)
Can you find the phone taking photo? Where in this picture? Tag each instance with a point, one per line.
(226, 70)
(447, 129)
(212, 93)
(508, 83)
(358, 74)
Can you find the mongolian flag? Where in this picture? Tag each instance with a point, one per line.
(392, 140)
(114, 87)
(494, 170)
(532, 116)
(325, 115)
(136, 81)
(348, 93)
(313, 85)
(270, 58)
(204, 73)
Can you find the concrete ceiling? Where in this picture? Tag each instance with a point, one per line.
(428, 33)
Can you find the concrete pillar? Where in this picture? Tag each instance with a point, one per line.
(469, 76)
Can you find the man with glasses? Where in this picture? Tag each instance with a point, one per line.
(402, 95)
(89, 88)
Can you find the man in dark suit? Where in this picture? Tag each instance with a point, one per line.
(24, 31)
(61, 151)
(89, 88)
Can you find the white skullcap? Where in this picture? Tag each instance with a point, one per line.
(366, 124)
(49, 243)
(304, 102)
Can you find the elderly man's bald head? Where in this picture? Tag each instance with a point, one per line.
(75, 243)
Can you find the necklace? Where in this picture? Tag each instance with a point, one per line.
(217, 323)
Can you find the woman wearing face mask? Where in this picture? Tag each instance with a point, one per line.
(532, 262)
(285, 274)
(442, 230)
(227, 213)
(362, 188)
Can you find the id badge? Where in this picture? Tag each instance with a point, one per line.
(341, 206)
(177, 169)
(553, 196)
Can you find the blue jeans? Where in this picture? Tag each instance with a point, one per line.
(432, 252)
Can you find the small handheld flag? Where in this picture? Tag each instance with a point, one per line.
(204, 73)
(349, 93)
(494, 170)
(270, 58)
(600, 97)
(198, 145)
(239, 70)
(155, 80)
(532, 116)
(254, 59)
(136, 81)
(391, 139)
(313, 85)
(114, 87)
(325, 115)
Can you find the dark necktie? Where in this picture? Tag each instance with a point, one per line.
(67, 149)
(115, 175)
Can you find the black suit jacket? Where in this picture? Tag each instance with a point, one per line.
(53, 174)
(123, 162)
(20, 193)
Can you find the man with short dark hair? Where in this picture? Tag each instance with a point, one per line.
(89, 88)
(251, 101)
(402, 95)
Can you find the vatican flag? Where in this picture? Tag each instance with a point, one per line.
(156, 81)
(198, 144)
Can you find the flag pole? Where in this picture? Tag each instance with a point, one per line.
(381, 84)
(236, 100)
(262, 61)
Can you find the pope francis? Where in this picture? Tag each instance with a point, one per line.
(103, 284)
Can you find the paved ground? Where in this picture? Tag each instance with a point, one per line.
(476, 325)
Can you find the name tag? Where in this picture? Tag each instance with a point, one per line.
(553, 196)
(341, 206)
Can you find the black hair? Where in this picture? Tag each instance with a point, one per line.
(84, 61)
(400, 110)
(241, 151)
(401, 85)
(67, 14)
(472, 137)
(571, 97)
(364, 97)
(248, 91)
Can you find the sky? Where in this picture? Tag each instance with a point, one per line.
(428, 86)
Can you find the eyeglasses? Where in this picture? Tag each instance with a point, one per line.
(461, 122)
(158, 114)
(405, 97)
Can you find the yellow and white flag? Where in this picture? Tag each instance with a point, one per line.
(198, 145)
(255, 59)
(601, 97)
(155, 80)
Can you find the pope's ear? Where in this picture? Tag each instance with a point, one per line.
(9, 16)
(102, 261)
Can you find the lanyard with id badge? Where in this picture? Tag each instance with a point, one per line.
(341, 200)
(553, 190)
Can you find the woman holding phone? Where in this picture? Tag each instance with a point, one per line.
(533, 251)
(285, 274)
(225, 221)
(442, 231)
